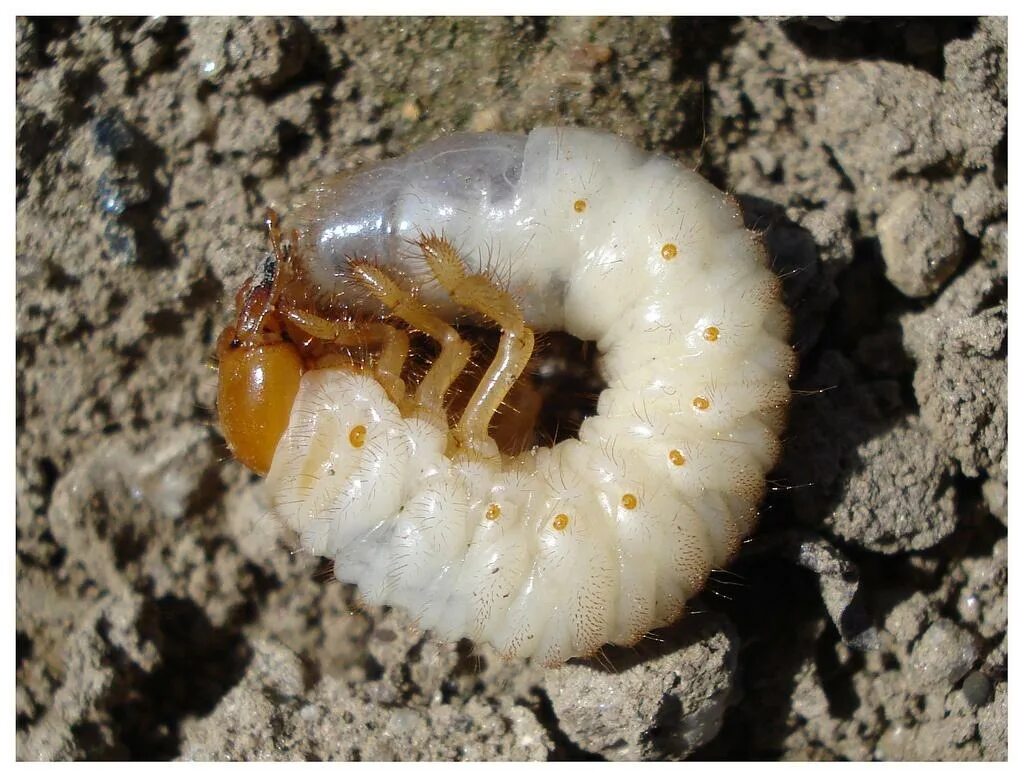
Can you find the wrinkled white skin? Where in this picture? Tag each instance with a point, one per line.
(410, 526)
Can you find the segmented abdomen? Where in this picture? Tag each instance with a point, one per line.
(598, 539)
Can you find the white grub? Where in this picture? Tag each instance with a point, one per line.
(558, 550)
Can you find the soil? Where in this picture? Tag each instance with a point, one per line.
(162, 615)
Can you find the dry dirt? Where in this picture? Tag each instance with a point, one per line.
(161, 616)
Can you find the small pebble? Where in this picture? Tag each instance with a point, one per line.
(944, 654)
(977, 689)
(121, 242)
(411, 110)
(112, 133)
(620, 714)
(110, 197)
(922, 243)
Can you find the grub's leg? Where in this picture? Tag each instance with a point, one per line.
(394, 346)
(388, 370)
(455, 352)
(479, 293)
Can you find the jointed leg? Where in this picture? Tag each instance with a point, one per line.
(455, 352)
(478, 293)
(394, 346)
(388, 369)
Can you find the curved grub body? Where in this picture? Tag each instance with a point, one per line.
(598, 539)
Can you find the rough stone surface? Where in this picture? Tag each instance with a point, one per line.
(162, 615)
(838, 581)
(921, 242)
(901, 498)
(650, 707)
(960, 347)
(944, 653)
(876, 132)
(977, 689)
(272, 714)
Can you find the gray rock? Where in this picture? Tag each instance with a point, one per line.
(981, 600)
(881, 119)
(921, 243)
(943, 655)
(982, 201)
(976, 89)
(658, 708)
(245, 55)
(838, 581)
(908, 619)
(960, 347)
(901, 498)
(977, 689)
(992, 725)
(997, 498)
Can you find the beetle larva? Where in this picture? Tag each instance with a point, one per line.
(554, 551)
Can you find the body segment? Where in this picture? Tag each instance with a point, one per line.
(557, 550)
